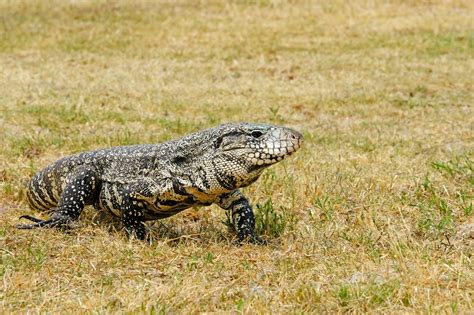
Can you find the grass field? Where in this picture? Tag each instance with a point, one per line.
(373, 214)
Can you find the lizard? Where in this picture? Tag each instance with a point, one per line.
(147, 182)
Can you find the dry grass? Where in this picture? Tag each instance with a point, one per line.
(367, 217)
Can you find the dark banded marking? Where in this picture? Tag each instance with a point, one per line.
(108, 200)
(38, 193)
(32, 201)
(55, 185)
(189, 201)
(168, 203)
(155, 214)
(225, 181)
(48, 180)
(117, 197)
(177, 188)
(252, 168)
(205, 181)
(202, 177)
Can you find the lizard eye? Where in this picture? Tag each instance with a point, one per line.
(256, 134)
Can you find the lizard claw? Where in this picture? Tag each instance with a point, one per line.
(29, 217)
(49, 223)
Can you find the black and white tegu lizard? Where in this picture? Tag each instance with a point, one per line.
(153, 181)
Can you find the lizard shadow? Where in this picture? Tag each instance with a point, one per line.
(182, 228)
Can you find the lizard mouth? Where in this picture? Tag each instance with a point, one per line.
(290, 141)
(283, 144)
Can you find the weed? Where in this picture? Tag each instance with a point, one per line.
(7, 263)
(239, 305)
(193, 262)
(462, 166)
(436, 212)
(36, 257)
(344, 295)
(325, 205)
(270, 222)
(209, 258)
(383, 293)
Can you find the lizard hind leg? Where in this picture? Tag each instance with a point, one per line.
(79, 190)
(134, 197)
(132, 216)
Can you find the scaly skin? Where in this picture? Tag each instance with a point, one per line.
(154, 181)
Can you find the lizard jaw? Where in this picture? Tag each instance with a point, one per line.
(281, 142)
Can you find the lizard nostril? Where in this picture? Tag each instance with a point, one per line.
(295, 135)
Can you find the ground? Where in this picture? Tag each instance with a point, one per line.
(373, 214)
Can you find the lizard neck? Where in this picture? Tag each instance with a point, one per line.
(231, 173)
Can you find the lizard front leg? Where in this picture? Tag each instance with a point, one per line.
(242, 216)
(80, 188)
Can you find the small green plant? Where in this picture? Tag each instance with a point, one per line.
(268, 221)
(193, 262)
(157, 308)
(239, 305)
(7, 263)
(468, 209)
(325, 205)
(435, 214)
(36, 257)
(382, 293)
(454, 306)
(432, 198)
(275, 115)
(209, 258)
(460, 166)
(343, 295)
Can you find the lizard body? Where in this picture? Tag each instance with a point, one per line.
(153, 181)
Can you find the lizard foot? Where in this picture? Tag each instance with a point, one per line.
(49, 223)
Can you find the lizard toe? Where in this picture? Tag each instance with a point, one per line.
(49, 223)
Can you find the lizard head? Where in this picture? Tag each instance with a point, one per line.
(259, 144)
(256, 146)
